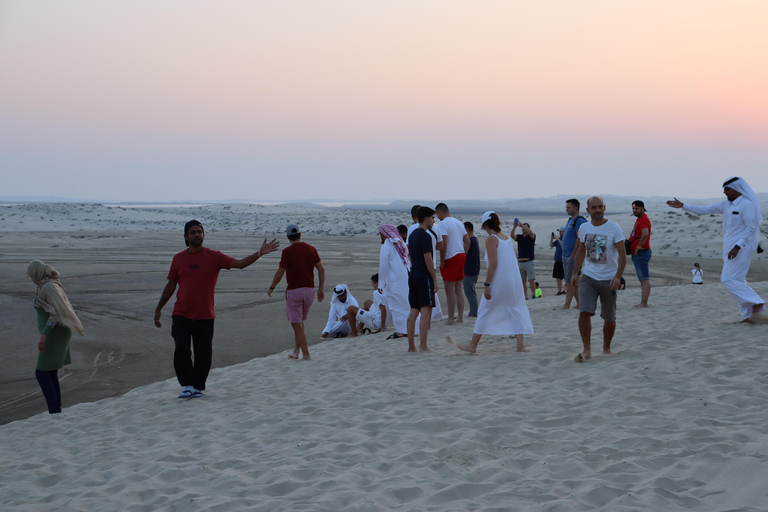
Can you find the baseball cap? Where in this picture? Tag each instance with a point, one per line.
(292, 229)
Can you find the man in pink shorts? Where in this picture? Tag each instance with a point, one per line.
(299, 261)
(453, 255)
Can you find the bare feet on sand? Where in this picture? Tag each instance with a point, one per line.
(580, 358)
(425, 350)
(640, 305)
(467, 348)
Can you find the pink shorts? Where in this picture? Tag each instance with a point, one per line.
(453, 270)
(297, 304)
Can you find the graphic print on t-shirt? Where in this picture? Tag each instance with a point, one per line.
(596, 248)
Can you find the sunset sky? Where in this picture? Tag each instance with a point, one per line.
(379, 100)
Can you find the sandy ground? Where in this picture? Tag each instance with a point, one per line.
(675, 419)
(114, 277)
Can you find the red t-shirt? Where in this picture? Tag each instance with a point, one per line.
(196, 275)
(641, 223)
(298, 260)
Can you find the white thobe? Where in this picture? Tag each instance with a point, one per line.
(393, 281)
(335, 324)
(738, 229)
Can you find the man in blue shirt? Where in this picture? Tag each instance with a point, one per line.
(569, 242)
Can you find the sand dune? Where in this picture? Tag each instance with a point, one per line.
(676, 419)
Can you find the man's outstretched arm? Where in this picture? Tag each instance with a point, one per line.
(266, 248)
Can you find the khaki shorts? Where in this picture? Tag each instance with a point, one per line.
(590, 290)
(527, 271)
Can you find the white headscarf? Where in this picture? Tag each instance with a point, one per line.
(351, 301)
(743, 188)
(50, 296)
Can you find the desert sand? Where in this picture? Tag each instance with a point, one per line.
(675, 419)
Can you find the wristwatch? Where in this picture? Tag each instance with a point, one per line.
(486, 284)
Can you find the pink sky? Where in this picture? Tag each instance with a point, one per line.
(585, 96)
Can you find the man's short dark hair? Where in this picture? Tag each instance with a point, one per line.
(189, 225)
(414, 210)
(424, 212)
(468, 226)
(375, 278)
(442, 208)
(575, 202)
(402, 229)
(292, 238)
(192, 224)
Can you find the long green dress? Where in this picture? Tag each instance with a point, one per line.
(57, 343)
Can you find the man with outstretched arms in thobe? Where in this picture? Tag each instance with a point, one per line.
(741, 237)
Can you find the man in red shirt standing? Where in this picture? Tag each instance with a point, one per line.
(298, 262)
(196, 270)
(640, 249)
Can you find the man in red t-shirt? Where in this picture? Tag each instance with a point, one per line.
(640, 249)
(196, 270)
(298, 262)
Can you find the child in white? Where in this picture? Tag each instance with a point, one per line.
(373, 315)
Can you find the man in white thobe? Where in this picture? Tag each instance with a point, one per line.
(338, 317)
(393, 278)
(741, 236)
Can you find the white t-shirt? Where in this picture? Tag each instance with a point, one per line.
(454, 229)
(697, 274)
(602, 258)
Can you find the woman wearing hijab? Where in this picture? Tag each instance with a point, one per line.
(55, 320)
(502, 309)
(393, 278)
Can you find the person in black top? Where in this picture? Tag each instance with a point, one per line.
(422, 282)
(471, 269)
(525, 246)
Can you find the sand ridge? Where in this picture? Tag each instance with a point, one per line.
(676, 419)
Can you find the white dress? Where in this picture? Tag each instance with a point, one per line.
(506, 312)
(393, 280)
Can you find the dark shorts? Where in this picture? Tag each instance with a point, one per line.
(421, 291)
(558, 271)
(590, 290)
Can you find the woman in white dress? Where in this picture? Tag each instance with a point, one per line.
(502, 309)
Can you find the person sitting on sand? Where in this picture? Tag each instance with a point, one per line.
(539, 293)
(55, 320)
(502, 309)
(741, 237)
(338, 325)
(298, 262)
(373, 314)
(601, 243)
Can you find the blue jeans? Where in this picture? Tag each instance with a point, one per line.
(641, 264)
